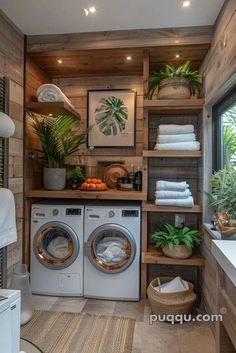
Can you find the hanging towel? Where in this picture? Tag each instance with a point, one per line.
(165, 194)
(51, 93)
(175, 129)
(176, 138)
(7, 126)
(178, 146)
(8, 232)
(175, 202)
(171, 185)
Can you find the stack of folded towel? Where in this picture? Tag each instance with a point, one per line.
(177, 137)
(173, 194)
(51, 93)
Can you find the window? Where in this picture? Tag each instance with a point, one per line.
(224, 131)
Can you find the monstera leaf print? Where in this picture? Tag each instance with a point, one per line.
(111, 115)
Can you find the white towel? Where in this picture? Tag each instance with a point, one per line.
(175, 202)
(176, 138)
(59, 247)
(175, 129)
(111, 250)
(176, 285)
(165, 194)
(8, 232)
(51, 93)
(171, 185)
(7, 126)
(178, 146)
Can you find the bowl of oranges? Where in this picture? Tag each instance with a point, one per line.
(93, 184)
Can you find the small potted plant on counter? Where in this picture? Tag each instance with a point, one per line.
(177, 243)
(75, 177)
(59, 139)
(173, 83)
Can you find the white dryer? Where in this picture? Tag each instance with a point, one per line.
(57, 232)
(112, 252)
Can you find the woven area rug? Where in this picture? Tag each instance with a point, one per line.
(55, 332)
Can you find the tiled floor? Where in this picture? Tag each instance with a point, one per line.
(157, 338)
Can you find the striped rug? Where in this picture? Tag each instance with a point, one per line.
(55, 332)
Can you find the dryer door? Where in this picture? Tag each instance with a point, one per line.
(56, 245)
(111, 248)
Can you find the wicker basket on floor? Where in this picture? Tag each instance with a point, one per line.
(170, 303)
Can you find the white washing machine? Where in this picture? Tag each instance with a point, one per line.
(57, 249)
(112, 252)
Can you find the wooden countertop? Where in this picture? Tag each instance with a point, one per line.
(110, 194)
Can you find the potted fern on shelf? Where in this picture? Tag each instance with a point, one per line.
(177, 243)
(59, 139)
(173, 83)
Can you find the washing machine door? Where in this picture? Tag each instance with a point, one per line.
(111, 248)
(56, 245)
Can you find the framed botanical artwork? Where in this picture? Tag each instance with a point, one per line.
(112, 118)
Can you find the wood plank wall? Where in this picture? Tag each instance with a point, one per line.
(12, 66)
(76, 91)
(219, 69)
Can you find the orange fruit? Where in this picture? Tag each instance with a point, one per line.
(88, 181)
(93, 187)
(94, 180)
(99, 181)
(103, 186)
(84, 185)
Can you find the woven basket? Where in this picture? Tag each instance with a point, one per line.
(170, 303)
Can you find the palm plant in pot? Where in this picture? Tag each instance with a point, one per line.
(58, 139)
(176, 242)
(173, 83)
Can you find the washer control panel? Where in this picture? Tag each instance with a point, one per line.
(111, 214)
(73, 212)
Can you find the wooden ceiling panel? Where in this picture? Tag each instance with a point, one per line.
(114, 62)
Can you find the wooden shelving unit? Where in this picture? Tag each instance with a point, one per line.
(153, 256)
(172, 154)
(52, 108)
(152, 207)
(110, 194)
(183, 111)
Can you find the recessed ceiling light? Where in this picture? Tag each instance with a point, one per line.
(92, 9)
(186, 3)
(177, 56)
(129, 58)
(59, 61)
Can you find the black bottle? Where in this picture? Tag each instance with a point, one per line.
(138, 180)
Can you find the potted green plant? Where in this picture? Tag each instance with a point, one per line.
(176, 242)
(75, 177)
(173, 83)
(223, 194)
(59, 139)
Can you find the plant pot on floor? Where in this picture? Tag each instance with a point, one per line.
(178, 252)
(54, 179)
(174, 88)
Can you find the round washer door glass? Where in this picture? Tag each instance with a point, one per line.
(112, 248)
(56, 245)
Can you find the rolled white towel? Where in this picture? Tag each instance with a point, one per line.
(51, 93)
(8, 232)
(175, 202)
(171, 185)
(178, 146)
(175, 129)
(165, 194)
(176, 138)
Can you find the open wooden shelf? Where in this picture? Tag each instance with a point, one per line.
(152, 207)
(110, 194)
(172, 154)
(154, 256)
(54, 108)
(174, 105)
